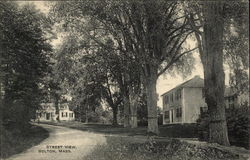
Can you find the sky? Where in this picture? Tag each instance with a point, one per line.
(164, 83)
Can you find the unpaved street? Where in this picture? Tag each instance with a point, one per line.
(62, 144)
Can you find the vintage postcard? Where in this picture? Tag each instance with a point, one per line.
(124, 80)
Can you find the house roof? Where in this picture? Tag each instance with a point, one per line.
(195, 82)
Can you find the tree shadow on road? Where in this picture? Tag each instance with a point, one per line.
(14, 141)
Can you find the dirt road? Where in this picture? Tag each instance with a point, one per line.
(62, 144)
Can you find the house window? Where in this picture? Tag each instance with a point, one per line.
(231, 105)
(70, 114)
(178, 112)
(178, 94)
(166, 100)
(47, 116)
(231, 101)
(203, 110)
(172, 97)
(64, 114)
(166, 116)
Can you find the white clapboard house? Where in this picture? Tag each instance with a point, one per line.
(185, 102)
(47, 112)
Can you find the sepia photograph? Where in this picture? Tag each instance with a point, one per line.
(124, 80)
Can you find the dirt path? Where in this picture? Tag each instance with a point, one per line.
(62, 144)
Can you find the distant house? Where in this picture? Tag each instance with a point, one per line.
(185, 102)
(47, 112)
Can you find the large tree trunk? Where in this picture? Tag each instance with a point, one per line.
(213, 72)
(115, 111)
(86, 116)
(152, 102)
(57, 107)
(134, 98)
(125, 95)
(126, 110)
(1, 99)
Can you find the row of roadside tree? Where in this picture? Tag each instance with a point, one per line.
(113, 52)
(116, 50)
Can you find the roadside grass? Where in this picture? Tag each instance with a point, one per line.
(135, 144)
(173, 131)
(131, 148)
(14, 141)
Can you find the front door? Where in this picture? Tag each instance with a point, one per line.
(48, 116)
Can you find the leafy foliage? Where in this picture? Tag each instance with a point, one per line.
(139, 40)
(221, 27)
(87, 74)
(25, 52)
(237, 125)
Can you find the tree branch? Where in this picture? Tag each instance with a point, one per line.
(173, 60)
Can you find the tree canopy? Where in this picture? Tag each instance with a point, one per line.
(25, 61)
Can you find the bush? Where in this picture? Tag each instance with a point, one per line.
(237, 124)
(203, 126)
(160, 119)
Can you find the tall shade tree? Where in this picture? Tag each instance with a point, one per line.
(212, 59)
(152, 32)
(236, 45)
(25, 51)
(89, 74)
(215, 23)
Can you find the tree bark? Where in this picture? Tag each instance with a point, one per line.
(214, 76)
(115, 111)
(57, 107)
(152, 102)
(126, 110)
(134, 98)
(86, 116)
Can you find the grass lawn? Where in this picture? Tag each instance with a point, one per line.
(174, 131)
(134, 144)
(14, 141)
(132, 148)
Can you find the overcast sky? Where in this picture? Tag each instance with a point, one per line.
(164, 83)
